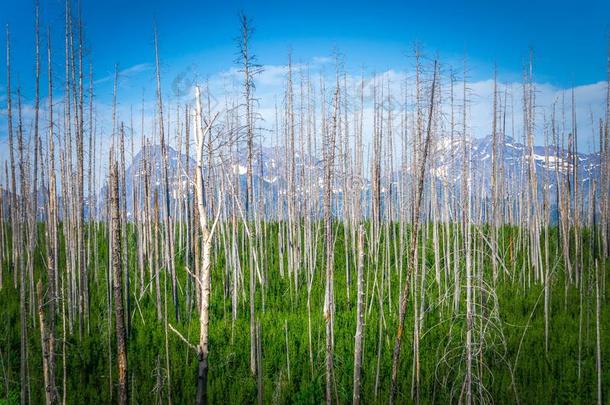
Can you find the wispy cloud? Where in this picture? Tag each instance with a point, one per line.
(589, 99)
(225, 86)
(126, 73)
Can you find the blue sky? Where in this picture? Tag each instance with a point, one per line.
(569, 38)
(198, 40)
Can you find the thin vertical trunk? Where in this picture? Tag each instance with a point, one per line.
(329, 155)
(598, 351)
(44, 340)
(117, 281)
(359, 318)
(24, 257)
(51, 230)
(168, 235)
(413, 246)
(249, 68)
(206, 251)
(467, 226)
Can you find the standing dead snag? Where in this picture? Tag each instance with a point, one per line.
(80, 186)
(47, 323)
(43, 342)
(329, 305)
(598, 351)
(466, 195)
(169, 235)
(51, 230)
(359, 319)
(17, 221)
(207, 233)
(249, 68)
(13, 186)
(117, 282)
(412, 249)
(23, 234)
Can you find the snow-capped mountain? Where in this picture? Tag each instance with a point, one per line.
(271, 170)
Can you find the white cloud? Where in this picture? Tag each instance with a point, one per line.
(225, 87)
(126, 73)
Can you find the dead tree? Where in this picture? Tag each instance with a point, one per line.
(207, 231)
(51, 232)
(13, 185)
(359, 318)
(206, 251)
(169, 238)
(413, 246)
(24, 256)
(117, 281)
(44, 343)
(249, 69)
(329, 156)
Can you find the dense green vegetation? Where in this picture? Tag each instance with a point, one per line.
(509, 327)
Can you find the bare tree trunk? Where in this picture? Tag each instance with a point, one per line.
(206, 251)
(413, 247)
(169, 238)
(259, 361)
(249, 69)
(117, 280)
(598, 352)
(359, 318)
(80, 206)
(13, 186)
(466, 234)
(48, 390)
(24, 258)
(329, 154)
(202, 376)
